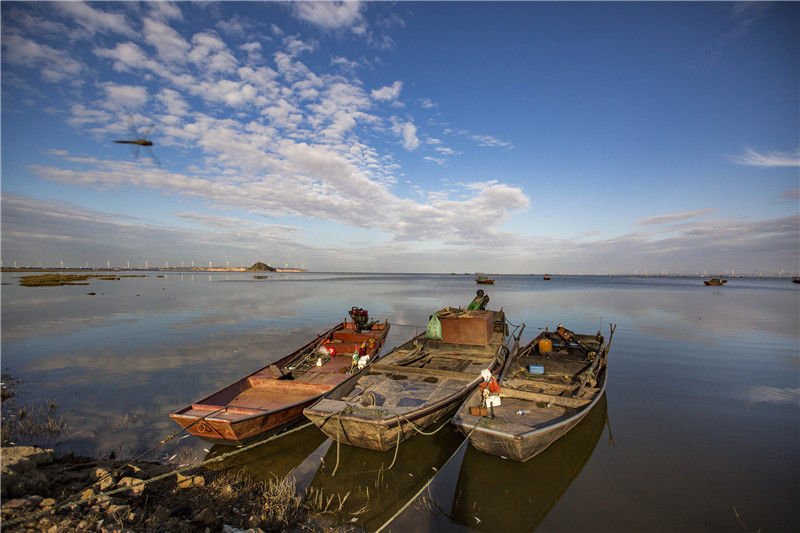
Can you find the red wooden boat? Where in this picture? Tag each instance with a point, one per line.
(716, 281)
(273, 397)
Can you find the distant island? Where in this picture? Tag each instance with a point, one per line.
(261, 267)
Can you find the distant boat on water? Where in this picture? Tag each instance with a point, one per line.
(546, 277)
(716, 281)
(795, 280)
(484, 280)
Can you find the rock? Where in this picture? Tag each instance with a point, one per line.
(159, 516)
(104, 483)
(17, 503)
(88, 493)
(19, 474)
(184, 482)
(206, 516)
(136, 485)
(14, 455)
(35, 500)
(47, 502)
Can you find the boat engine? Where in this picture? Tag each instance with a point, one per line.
(360, 317)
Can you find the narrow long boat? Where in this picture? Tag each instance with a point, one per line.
(416, 385)
(548, 387)
(273, 397)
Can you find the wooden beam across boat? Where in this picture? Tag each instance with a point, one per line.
(554, 399)
(435, 372)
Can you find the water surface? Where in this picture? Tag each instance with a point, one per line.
(701, 415)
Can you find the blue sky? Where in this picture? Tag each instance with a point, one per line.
(417, 137)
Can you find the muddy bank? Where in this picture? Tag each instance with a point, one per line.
(42, 492)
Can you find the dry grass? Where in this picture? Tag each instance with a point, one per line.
(25, 422)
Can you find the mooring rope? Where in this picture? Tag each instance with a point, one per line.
(426, 485)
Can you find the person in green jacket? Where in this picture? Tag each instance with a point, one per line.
(479, 302)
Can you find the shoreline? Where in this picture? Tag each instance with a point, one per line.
(45, 492)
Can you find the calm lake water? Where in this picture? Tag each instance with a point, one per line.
(701, 417)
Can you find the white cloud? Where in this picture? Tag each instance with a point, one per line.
(94, 20)
(55, 65)
(211, 53)
(407, 131)
(483, 140)
(773, 159)
(169, 45)
(390, 92)
(344, 63)
(427, 103)
(331, 15)
(173, 102)
(80, 116)
(253, 49)
(166, 10)
(124, 96)
(296, 47)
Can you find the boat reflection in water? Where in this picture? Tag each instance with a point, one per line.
(275, 458)
(502, 495)
(374, 494)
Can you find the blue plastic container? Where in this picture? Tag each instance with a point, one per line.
(536, 369)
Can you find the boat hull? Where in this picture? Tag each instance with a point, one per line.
(267, 402)
(384, 435)
(522, 447)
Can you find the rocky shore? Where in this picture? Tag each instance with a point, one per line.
(42, 492)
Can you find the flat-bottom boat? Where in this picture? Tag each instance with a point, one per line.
(273, 397)
(715, 281)
(548, 388)
(415, 386)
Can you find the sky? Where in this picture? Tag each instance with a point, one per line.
(581, 138)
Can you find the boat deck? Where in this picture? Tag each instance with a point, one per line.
(543, 399)
(408, 379)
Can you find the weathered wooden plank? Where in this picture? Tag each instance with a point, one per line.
(540, 397)
(423, 371)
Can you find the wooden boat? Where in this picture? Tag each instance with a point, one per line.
(484, 280)
(496, 495)
(715, 281)
(415, 386)
(546, 277)
(538, 409)
(795, 280)
(273, 397)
